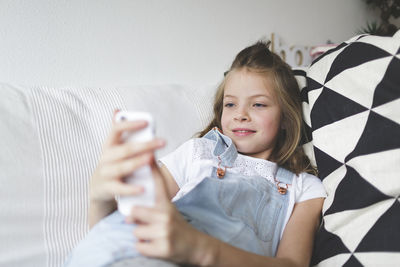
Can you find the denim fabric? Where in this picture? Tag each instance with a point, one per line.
(246, 212)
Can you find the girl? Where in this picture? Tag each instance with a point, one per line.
(242, 195)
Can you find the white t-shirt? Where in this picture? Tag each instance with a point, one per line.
(193, 160)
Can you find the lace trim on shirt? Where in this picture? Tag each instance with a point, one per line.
(252, 166)
(245, 165)
(202, 149)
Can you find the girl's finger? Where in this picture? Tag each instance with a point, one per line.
(148, 215)
(127, 150)
(150, 249)
(118, 128)
(157, 248)
(123, 189)
(126, 167)
(149, 232)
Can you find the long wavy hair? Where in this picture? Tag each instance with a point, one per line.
(258, 58)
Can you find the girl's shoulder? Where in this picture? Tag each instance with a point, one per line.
(308, 186)
(304, 176)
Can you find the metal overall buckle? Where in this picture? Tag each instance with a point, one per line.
(282, 187)
(220, 171)
(282, 190)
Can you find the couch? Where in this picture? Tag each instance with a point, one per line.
(51, 139)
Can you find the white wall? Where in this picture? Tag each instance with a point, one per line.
(127, 42)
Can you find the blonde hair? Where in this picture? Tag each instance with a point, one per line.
(258, 58)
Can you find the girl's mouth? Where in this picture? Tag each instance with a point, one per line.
(242, 132)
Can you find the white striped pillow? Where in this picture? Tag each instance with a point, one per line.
(63, 130)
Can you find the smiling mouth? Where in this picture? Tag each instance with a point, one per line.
(242, 132)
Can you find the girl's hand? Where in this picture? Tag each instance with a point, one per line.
(117, 161)
(161, 230)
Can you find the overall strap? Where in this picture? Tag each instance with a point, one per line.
(224, 148)
(283, 178)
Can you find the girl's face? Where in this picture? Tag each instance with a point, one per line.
(251, 115)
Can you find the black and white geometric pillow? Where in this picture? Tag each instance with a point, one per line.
(301, 76)
(353, 93)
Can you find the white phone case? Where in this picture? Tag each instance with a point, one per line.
(141, 176)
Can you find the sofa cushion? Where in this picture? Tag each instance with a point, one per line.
(51, 141)
(354, 98)
(21, 184)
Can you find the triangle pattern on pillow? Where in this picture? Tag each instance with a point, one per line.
(385, 234)
(312, 85)
(304, 95)
(325, 163)
(354, 103)
(388, 89)
(373, 72)
(379, 258)
(353, 224)
(385, 175)
(378, 135)
(319, 74)
(330, 183)
(346, 197)
(354, 55)
(332, 245)
(312, 97)
(327, 109)
(386, 110)
(307, 136)
(380, 42)
(338, 139)
(330, 51)
(352, 262)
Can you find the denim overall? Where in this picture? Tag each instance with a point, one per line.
(246, 212)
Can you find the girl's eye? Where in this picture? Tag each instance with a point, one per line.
(229, 105)
(259, 105)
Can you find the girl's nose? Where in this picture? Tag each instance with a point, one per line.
(242, 115)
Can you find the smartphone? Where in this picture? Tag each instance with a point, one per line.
(141, 176)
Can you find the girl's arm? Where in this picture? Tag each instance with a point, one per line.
(163, 233)
(172, 186)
